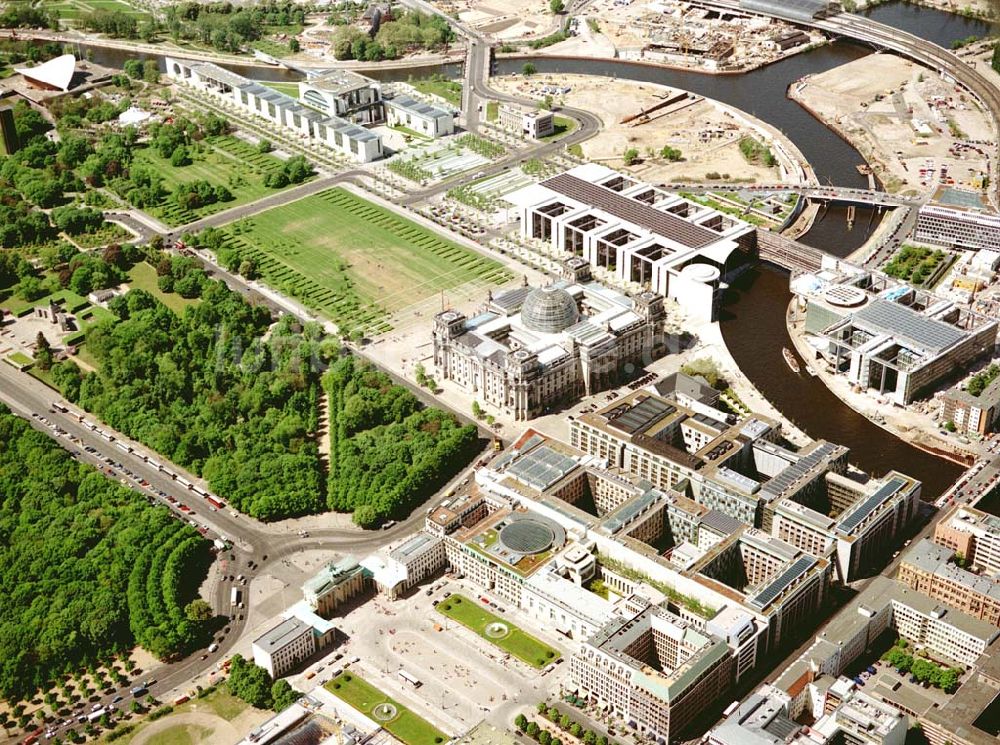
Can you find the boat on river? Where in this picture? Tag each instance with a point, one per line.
(790, 360)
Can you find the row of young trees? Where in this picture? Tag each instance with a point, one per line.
(205, 391)
(164, 616)
(562, 721)
(69, 540)
(387, 452)
(923, 670)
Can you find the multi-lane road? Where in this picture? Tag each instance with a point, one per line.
(251, 540)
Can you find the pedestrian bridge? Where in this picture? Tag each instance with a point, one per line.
(833, 194)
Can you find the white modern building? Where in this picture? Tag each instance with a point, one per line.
(957, 228)
(344, 94)
(422, 118)
(341, 135)
(885, 336)
(642, 234)
(56, 74)
(533, 123)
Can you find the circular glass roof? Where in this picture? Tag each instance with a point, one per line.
(527, 536)
(549, 310)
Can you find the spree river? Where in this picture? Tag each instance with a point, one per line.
(753, 318)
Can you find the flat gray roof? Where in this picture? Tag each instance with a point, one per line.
(859, 512)
(282, 635)
(908, 326)
(339, 81)
(542, 467)
(419, 108)
(638, 213)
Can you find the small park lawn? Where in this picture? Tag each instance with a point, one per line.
(472, 615)
(142, 276)
(364, 697)
(216, 166)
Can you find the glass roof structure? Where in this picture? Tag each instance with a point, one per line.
(801, 10)
(549, 310)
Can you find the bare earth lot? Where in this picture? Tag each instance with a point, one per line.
(904, 119)
(706, 132)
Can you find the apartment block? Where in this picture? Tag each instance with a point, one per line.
(418, 557)
(973, 415)
(973, 533)
(653, 669)
(929, 568)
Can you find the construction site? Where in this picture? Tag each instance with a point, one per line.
(504, 20)
(648, 118)
(916, 129)
(685, 34)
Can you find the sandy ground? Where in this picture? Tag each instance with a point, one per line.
(504, 19)
(197, 727)
(706, 132)
(905, 120)
(676, 33)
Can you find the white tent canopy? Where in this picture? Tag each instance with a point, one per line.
(56, 73)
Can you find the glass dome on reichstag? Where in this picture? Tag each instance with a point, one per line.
(549, 310)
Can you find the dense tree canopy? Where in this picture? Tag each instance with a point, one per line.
(228, 27)
(387, 452)
(70, 540)
(411, 30)
(205, 391)
(252, 684)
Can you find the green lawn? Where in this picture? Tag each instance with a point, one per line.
(218, 164)
(353, 260)
(20, 359)
(364, 697)
(449, 90)
(289, 89)
(492, 111)
(561, 126)
(71, 10)
(143, 277)
(473, 615)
